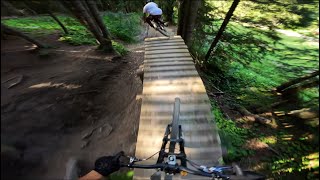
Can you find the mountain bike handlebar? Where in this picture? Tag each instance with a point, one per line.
(175, 169)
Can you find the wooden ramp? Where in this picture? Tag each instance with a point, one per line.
(169, 72)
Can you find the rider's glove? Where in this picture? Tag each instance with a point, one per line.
(106, 165)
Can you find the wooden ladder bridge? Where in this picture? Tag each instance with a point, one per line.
(169, 72)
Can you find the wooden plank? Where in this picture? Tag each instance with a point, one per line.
(167, 63)
(161, 38)
(167, 51)
(190, 141)
(192, 153)
(177, 46)
(171, 59)
(193, 88)
(171, 55)
(155, 109)
(191, 127)
(187, 73)
(168, 99)
(169, 68)
(164, 44)
(163, 41)
(190, 123)
(174, 81)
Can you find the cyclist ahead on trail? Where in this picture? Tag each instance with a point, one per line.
(154, 12)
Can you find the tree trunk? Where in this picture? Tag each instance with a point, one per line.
(11, 8)
(59, 22)
(296, 81)
(83, 15)
(181, 17)
(190, 20)
(92, 26)
(127, 4)
(93, 8)
(107, 46)
(222, 28)
(170, 11)
(186, 10)
(248, 115)
(309, 84)
(7, 30)
(101, 5)
(32, 12)
(74, 12)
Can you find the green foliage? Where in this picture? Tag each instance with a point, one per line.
(295, 155)
(121, 26)
(168, 8)
(277, 13)
(253, 62)
(119, 48)
(252, 58)
(36, 25)
(121, 176)
(125, 27)
(232, 137)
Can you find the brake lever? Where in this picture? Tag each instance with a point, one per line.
(134, 159)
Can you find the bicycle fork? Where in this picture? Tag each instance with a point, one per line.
(181, 155)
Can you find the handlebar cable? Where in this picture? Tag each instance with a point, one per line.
(145, 159)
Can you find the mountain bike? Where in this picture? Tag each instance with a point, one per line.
(160, 27)
(167, 160)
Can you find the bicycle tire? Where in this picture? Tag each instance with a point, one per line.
(163, 32)
(175, 124)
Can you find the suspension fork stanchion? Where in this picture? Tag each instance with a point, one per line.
(181, 146)
(162, 152)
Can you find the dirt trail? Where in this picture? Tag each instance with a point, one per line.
(65, 93)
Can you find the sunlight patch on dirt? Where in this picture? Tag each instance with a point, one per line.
(256, 144)
(56, 85)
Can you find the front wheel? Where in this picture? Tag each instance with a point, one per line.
(161, 29)
(164, 32)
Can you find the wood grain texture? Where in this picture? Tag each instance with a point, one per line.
(169, 73)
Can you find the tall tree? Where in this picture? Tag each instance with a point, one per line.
(188, 10)
(7, 30)
(283, 86)
(99, 2)
(190, 20)
(222, 28)
(11, 8)
(58, 21)
(181, 14)
(81, 11)
(95, 12)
